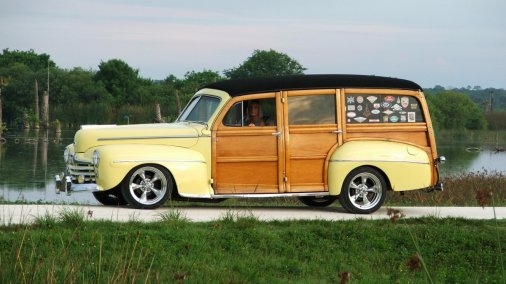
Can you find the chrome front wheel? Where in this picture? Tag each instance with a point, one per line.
(363, 191)
(147, 186)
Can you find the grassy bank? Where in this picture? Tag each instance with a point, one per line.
(244, 250)
(467, 189)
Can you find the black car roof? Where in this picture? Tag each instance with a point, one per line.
(237, 87)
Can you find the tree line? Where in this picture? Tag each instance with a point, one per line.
(116, 93)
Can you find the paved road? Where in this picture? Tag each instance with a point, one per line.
(18, 214)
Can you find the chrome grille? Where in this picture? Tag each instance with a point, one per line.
(76, 169)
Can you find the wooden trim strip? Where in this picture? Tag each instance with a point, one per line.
(308, 157)
(327, 128)
(404, 127)
(311, 92)
(247, 131)
(247, 159)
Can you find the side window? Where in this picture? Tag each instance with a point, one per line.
(260, 112)
(315, 109)
(363, 108)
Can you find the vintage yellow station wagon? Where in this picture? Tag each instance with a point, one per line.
(314, 137)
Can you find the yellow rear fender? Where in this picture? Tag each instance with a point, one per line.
(187, 167)
(406, 167)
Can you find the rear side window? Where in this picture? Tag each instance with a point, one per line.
(363, 108)
(315, 109)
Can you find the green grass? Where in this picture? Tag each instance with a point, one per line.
(239, 249)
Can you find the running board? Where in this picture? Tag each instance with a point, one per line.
(269, 195)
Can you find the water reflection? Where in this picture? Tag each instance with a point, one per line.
(30, 159)
(472, 151)
(28, 162)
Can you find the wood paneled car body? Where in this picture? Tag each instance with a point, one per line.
(315, 137)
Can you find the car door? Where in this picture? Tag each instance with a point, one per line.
(248, 157)
(311, 131)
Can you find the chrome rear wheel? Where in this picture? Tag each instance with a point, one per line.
(363, 191)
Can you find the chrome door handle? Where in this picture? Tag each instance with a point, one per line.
(277, 133)
(337, 131)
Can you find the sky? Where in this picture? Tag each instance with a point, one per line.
(451, 43)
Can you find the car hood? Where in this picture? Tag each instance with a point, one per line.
(180, 134)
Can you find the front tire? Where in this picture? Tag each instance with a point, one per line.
(147, 186)
(317, 201)
(363, 191)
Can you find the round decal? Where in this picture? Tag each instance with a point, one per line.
(351, 114)
(389, 99)
(360, 99)
(394, 118)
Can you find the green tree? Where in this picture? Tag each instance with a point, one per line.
(77, 85)
(192, 82)
(22, 68)
(266, 63)
(29, 58)
(119, 79)
(454, 110)
(18, 95)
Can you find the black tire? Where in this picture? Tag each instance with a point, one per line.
(317, 201)
(110, 197)
(147, 186)
(363, 191)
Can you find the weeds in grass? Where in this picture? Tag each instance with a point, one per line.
(173, 215)
(395, 214)
(47, 220)
(484, 197)
(72, 217)
(344, 277)
(460, 190)
(232, 216)
(415, 261)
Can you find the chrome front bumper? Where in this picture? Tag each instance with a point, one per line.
(65, 183)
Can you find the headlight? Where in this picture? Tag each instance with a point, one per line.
(96, 158)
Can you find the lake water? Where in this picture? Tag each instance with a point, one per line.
(29, 160)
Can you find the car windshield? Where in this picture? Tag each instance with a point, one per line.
(200, 109)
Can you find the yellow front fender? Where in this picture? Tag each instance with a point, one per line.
(188, 167)
(405, 166)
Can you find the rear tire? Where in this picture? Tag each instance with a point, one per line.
(110, 197)
(147, 186)
(363, 191)
(317, 201)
